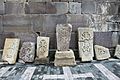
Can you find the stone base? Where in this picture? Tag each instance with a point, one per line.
(41, 61)
(64, 58)
(86, 58)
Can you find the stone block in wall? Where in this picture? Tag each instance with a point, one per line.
(1, 25)
(100, 27)
(88, 7)
(105, 39)
(74, 8)
(14, 8)
(16, 23)
(17, 0)
(51, 22)
(2, 8)
(39, 0)
(113, 26)
(46, 8)
(37, 22)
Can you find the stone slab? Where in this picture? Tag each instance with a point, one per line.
(41, 61)
(63, 34)
(85, 34)
(27, 52)
(42, 47)
(10, 50)
(101, 52)
(117, 51)
(2, 8)
(16, 0)
(39, 0)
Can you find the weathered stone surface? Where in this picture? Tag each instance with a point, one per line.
(2, 8)
(63, 34)
(74, 8)
(85, 34)
(17, 0)
(117, 51)
(88, 7)
(42, 47)
(101, 52)
(10, 50)
(27, 52)
(46, 8)
(1, 25)
(16, 23)
(14, 8)
(41, 60)
(86, 50)
(64, 58)
(40, 0)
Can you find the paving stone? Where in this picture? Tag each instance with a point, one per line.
(117, 51)
(27, 52)
(40, 0)
(88, 7)
(63, 35)
(10, 50)
(42, 47)
(14, 8)
(74, 8)
(101, 52)
(16, 23)
(2, 8)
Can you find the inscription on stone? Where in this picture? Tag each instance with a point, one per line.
(11, 50)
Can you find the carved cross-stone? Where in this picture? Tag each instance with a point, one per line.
(27, 52)
(101, 52)
(11, 50)
(63, 34)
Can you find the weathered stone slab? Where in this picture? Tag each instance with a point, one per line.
(10, 50)
(117, 51)
(101, 52)
(27, 52)
(42, 47)
(64, 58)
(40, 0)
(1, 25)
(17, 0)
(86, 50)
(2, 8)
(14, 8)
(41, 60)
(85, 34)
(74, 8)
(63, 34)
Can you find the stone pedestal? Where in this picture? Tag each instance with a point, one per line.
(85, 44)
(101, 52)
(63, 58)
(117, 51)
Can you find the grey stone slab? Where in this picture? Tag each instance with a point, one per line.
(2, 8)
(88, 7)
(27, 52)
(39, 0)
(74, 8)
(101, 52)
(14, 8)
(63, 35)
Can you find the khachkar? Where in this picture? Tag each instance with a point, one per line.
(42, 50)
(27, 52)
(85, 43)
(10, 50)
(64, 56)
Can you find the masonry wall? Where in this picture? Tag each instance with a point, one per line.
(23, 18)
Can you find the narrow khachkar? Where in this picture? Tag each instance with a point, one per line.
(11, 50)
(27, 52)
(42, 50)
(64, 56)
(117, 51)
(101, 52)
(85, 44)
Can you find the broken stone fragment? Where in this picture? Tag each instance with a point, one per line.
(117, 51)
(101, 52)
(11, 50)
(27, 52)
(63, 34)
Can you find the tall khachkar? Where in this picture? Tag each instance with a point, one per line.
(64, 56)
(85, 43)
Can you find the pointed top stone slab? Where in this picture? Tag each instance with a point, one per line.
(11, 50)
(63, 34)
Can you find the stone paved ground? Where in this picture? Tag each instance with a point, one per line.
(96, 70)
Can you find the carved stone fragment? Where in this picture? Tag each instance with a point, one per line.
(27, 52)
(101, 52)
(11, 50)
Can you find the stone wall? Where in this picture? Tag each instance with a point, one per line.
(18, 17)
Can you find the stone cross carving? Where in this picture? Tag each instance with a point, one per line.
(11, 50)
